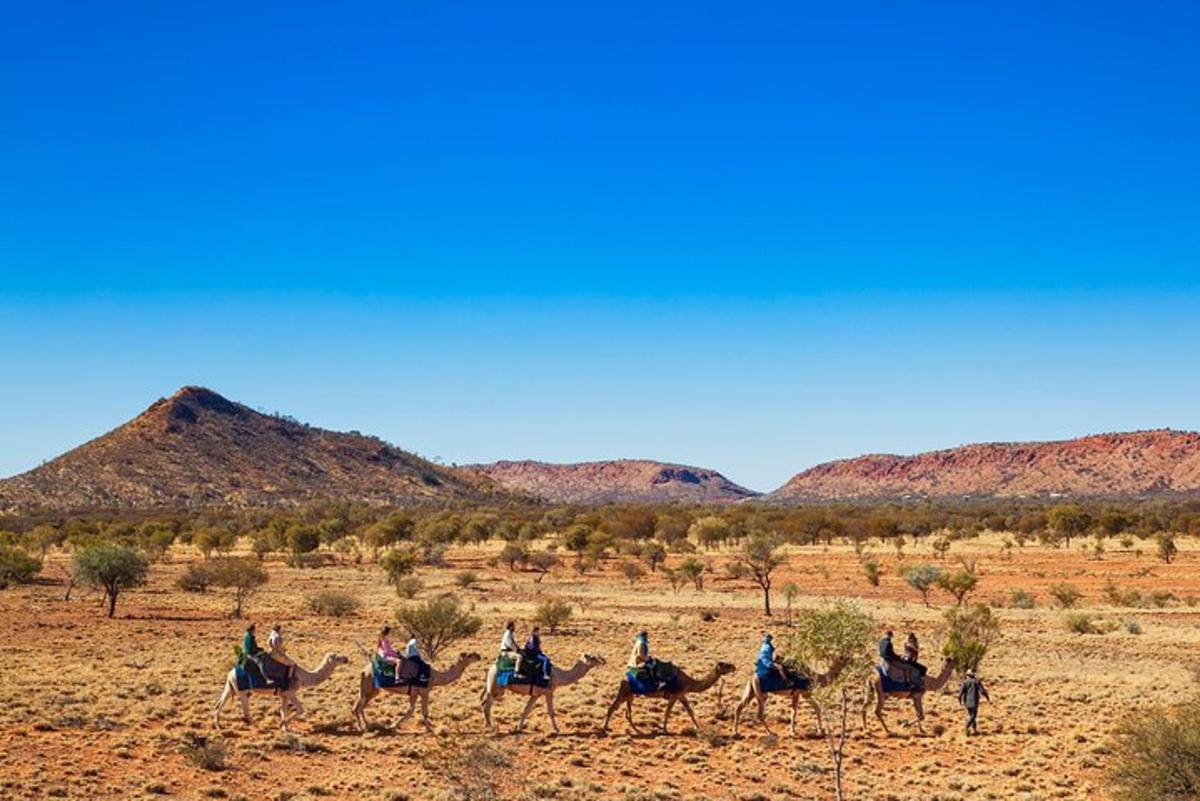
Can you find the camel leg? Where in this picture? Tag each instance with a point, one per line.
(550, 712)
(792, 719)
(629, 713)
(245, 699)
(879, 713)
(614, 706)
(225, 692)
(817, 714)
(667, 714)
(425, 712)
(687, 707)
(525, 713)
(408, 713)
(486, 705)
(919, 708)
(737, 710)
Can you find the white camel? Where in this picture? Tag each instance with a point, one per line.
(289, 701)
(558, 678)
(437, 678)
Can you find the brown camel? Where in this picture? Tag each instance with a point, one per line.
(874, 689)
(754, 691)
(287, 698)
(687, 685)
(437, 678)
(558, 678)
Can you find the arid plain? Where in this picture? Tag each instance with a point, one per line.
(92, 707)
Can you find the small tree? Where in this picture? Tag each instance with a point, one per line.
(760, 557)
(675, 578)
(112, 568)
(242, 575)
(1069, 520)
(1156, 754)
(632, 572)
(923, 578)
(513, 554)
(835, 633)
(541, 562)
(438, 623)
(970, 633)
(16, 566)
(302, 539)
(398, 563)
(959, 583)
(653, 554)
(710, 531)
(790, 591)
(693, 570)
(1166, 547)
(940, 546)
(871, 570)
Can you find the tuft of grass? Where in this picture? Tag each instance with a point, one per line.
(205, 754)
(333, 603)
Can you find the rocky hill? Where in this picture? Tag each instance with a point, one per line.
(623, 480)
(1131, 464)
(196, 448)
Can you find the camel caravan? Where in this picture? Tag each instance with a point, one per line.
(528, 673)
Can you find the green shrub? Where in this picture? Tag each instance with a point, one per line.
(195, 578)
(466, 579)
(1133, 627)
(437, 623)
(1066, 595)
(1080, 623)
(1019, 599)
(552, 613)
(871, 569)
(16, 566)
(970, 633)
(112, 568)
(408, 587)
(1156, 755)
(333, 603)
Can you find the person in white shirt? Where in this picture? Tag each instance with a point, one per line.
(508, 643)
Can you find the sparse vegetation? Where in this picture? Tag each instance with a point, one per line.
(333, 603)
(1156, 754)
(552, 613)
(923, 578)
(1064, 594)
(438, 623)
(111, 568)
(16, 566)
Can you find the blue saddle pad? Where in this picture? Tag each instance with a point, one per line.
(645, 687)
(771, 681)
(891, 685)
(386, 680)
(510, 678)
(247, 680)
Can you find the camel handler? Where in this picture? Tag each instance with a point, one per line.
(968, 695)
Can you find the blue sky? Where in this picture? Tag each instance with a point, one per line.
(747, 238)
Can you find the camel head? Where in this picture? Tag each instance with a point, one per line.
(337, 660)
(592, 660)
(466, 658)
(725, 668)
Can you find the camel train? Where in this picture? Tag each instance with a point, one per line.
(531, 676)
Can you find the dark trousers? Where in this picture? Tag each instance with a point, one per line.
(972, 722)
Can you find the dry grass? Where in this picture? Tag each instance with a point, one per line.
(99, 708)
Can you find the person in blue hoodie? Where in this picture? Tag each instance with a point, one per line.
(766, 663)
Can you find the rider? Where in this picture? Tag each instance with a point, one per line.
(640, 657)
(533, 650)
(279, 653)
(508, 642)
(413, 651)
(250, 646)
(386, 651)
(766, 660)
(912, 653)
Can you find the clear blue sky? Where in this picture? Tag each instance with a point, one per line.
(752, 237)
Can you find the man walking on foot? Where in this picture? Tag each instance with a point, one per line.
(968, 695)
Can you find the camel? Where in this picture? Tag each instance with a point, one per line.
(932, 684)
(288, 698)
(558, 678)
(754, 691)
(686, 685)
(437, 678)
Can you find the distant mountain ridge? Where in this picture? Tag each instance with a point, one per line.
(614, 481)
(198, 449)
(1131, 464)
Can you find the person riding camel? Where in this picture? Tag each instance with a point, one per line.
(250, 646)
(508, 641)
(639, 657)
(387, 652)
(412, 651)
(912, 653)
(533, 650)
(766, 660)
(888, 657)
(276, 650)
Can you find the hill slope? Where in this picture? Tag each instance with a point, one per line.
(196, 449)
(622, 480)
(1130, 464)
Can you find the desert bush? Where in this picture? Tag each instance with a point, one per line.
(471, 768)
(871, 569)
(1118, 597)
(1166, 547)
(204, 753)
(922, 578)
(466, 579)
(195, 578)
(970, 633)
(552, 613)
(16, 566)
(1160, 598)
(408, 587)
(1064, 594)
(653, 553)
(1156, 755)
(541, 562)
(959, 583)
(1019, 599)
(632, 572)
(513, 554)
(1132, 627)
(693, 570)
(333, 603)
(1080, 623)
(243, 575)
(112, 568)
(398, 563)
(438, 623)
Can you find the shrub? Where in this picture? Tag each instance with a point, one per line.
(1166, 547)
(871, 569)
(513, 555)
(242, 575)
(541, 562)
(1161, 598)
(693, 570)
(1080, 623)
(1019, 599)
(408, 587)
(333, 603)
(552, 613)
(1156, 754)
(437, 623)
(466, 579)
(958, 584)
(16, 566)
(632, 572)
(970, 633)
(1066, 595)
(195, 578)
(1133, 627)
(398, 563)
(204, 754)
(112, 568)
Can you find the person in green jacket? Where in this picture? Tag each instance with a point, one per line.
(249, 645)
